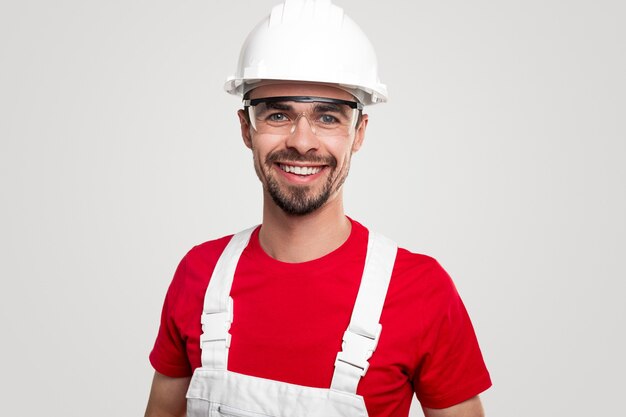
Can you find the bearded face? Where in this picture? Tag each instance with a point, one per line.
(302, 148)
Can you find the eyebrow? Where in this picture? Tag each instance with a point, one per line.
(332, 108)
(279, 106)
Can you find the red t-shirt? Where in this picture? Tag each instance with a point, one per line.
(289, 320)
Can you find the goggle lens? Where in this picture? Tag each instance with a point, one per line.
(280, 115)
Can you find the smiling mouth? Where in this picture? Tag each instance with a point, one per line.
(300, 170)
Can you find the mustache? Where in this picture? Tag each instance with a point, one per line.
(291, 155)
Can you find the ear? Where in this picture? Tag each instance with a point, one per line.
(244, 124)
(359, 134)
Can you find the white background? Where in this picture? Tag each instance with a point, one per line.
(501, 153)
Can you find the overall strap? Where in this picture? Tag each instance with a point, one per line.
(217, 313)
(361, 337)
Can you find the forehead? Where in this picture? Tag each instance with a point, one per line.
(300, 89)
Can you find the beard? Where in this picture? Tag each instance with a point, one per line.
(300, 200)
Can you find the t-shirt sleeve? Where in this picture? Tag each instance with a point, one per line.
(169, 356)
(452, 368)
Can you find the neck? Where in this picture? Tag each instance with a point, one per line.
(296, 239)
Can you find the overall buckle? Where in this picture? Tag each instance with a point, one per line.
(357, 348)
(215, 326)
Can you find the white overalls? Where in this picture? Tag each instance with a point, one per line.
(214, 391)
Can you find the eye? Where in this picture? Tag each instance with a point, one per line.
(277, 117)
(328, 119)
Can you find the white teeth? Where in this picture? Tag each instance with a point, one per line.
(300, 170)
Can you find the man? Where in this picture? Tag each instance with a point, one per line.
(311, 314)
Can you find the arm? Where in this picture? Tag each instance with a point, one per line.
(470, 408)
(167, 396)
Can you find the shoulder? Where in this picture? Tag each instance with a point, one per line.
(412, 268)
(422, 269)
(196, 267)
(419, 277)
(420, 288)
(207, 252)
(421, 280)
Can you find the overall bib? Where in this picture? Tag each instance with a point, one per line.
(216, 392)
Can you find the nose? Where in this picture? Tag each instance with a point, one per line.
(303, 137)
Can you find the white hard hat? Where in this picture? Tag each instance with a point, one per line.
(311, 41)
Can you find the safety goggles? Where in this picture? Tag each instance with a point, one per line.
(280, 115)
